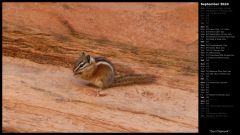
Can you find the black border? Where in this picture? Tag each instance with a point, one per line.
(201, 126)
(225, 124)
(100, 1)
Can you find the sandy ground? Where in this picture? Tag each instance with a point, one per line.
(41, 44)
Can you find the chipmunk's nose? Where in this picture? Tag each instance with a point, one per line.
(77, 73)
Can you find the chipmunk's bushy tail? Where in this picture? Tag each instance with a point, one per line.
(133, 79)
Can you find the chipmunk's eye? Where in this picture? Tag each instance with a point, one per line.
(78, 66)
(81, 65)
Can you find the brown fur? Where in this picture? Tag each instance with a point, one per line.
(103, 76)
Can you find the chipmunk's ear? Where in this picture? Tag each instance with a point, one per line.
(82, 54)
(88, 57)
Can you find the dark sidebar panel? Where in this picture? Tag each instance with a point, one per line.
(218, 66)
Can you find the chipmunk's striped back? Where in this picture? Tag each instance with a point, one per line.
(102, 60)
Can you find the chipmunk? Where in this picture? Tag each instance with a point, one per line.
(100, 72)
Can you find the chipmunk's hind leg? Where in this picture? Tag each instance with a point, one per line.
(100, 86)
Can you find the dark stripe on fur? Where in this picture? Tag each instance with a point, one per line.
(99, 59)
